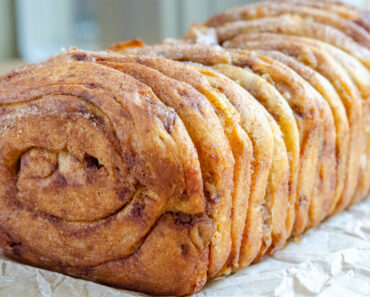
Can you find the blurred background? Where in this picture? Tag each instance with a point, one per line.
(32, 30)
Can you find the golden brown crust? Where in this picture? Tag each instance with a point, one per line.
(274, 231)
(323, 86)
(295, 25)
(260, 134)
(172, 259)
(164, 87)
(305, 102)
(73, 119)
(325, 173)
(216, 161)
(309, 102)
(198, 82)
(162, 263)
(270, 8)
(242, 148)
(205, 130)
(156, 168)
(344, 10)
(348, 92)
(359, 74)
(276, 204)
(361, 78)
(275, 104)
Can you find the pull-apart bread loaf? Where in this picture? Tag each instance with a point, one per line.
(312, 114)
(101, 180)
(156, 168)
(276, 8)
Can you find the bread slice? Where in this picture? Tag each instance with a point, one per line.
(326, 65)
(262, 140)
(344, 10)
(325, 88)
(217, 162)
(361, 77)
(275, 104)
(297, 26)
(81, 114)
(259, 176)
(309, 131)
(304, 101)
(271, 8)
(275, 206)
(260, 135)
(238, 139)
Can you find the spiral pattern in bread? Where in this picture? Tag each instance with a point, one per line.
(156, 168)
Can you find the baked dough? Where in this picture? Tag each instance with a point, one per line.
(156, 168)
(274, 8)
(323, 86)
(326, 65)
(80, 131)
(294, 25)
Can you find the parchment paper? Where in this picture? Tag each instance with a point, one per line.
(331, 260)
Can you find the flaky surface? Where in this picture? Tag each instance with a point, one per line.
(323, 86)
(71, 136)
(259, 135)
(273, 102)
(275, 8)
(361, 78)
(243, 153)
(216, 160)
(156, 168)
(326, 65)
(257, 125)
(343, 10)
(303, 99)
(295, 25)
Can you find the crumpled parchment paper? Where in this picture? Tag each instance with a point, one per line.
(330, 260)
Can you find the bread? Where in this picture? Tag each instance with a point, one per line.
(260, 132)
(156, 168)
(303, 100)
(344, 10)
(279, 109)
(275, 8)
(65, 128)
(329, 67)
(209, 137)
(323, 86)
(274, 214)
(297, 26)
